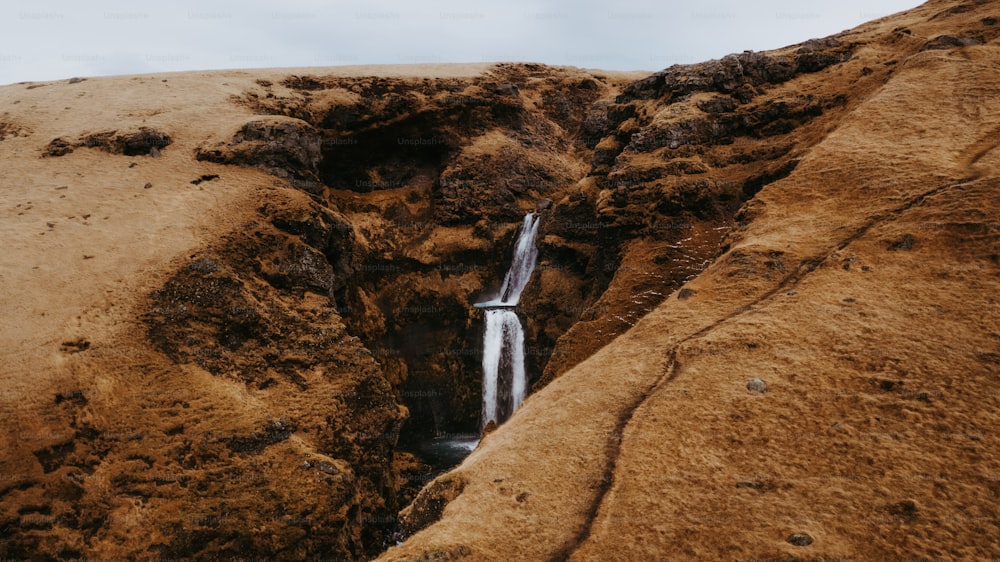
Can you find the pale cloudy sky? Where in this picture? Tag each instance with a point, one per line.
(55, 39)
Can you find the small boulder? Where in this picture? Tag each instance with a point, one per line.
(327, 468)
(491, 426)
(58, 147)
(506, 90)
(757, 386)
(800, 539)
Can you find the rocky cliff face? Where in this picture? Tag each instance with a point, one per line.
(434, 176)
(644, 181)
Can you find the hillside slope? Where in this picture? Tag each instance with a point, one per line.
(861, 288)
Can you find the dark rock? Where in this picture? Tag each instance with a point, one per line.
(257, 441)
(204, 178)
(307, 83)
(204, 265)
(904, 243)
(75, 346)
(596, 125)
(730, 73)
(757, 386)
(429, 504)
(58, 147)
(949, 42)
(685, 294)
(76, 397)
(884, 384)
(491, 426)
(327, 468)
(12, 130)
(76, 80)
(760, 484)
(800, 539)
(145, 141)
(323, 230)
(768, 119)
(506, 90)
(605, 153)
(905, 510)
(718, 104)
(303, 268)
(54, 456)
(988, 358)
(287, 148)
(816, 61)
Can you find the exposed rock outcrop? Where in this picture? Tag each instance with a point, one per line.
(142, 142)
(435, 175)
(286, 147)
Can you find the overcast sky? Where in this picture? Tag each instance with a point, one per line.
(55, 39)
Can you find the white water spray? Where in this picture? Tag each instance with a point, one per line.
(504, 378)
(503, 357)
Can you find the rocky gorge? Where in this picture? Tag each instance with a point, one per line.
(273, 305)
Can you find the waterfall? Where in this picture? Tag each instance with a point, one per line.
(504, 378)
(503, 354)
(523, 263)
(521, 266)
